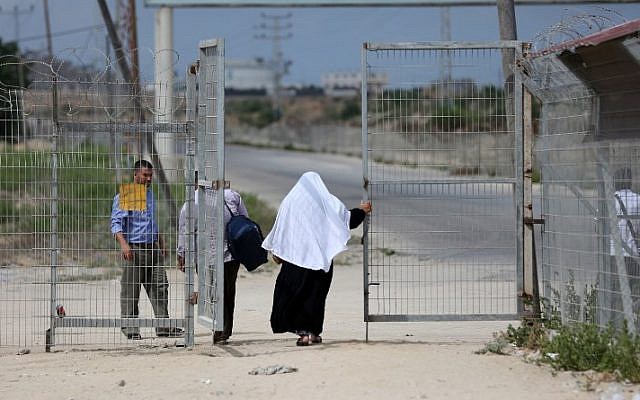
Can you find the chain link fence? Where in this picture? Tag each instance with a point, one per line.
(442, 148)
(69, 142)
(587, 151)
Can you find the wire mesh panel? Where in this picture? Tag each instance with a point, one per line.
(587, 152)
(69, 147)
(24, 188)
(210, 164)
(442, 159)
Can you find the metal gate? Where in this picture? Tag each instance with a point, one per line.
(442, 161)
(69, 145)
(75, 143)
(208, 158)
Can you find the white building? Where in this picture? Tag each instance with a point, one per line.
(345, 84)
(248, 75)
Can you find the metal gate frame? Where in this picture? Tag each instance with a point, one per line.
(55, 319)
(209, 162)
(205, 153)
(508, 47)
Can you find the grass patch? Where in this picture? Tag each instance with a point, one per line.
(535, 176)
(577, 347)
(496, 346)
(259, 211)
(581, 346)
(86, 184)
(7, 211)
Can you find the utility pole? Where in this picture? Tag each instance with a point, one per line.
(445, 35)
(133, 42)
(138, 109)
(127, 30)
(276, 35)
(508, 31)
(16, 13)
(47, 24)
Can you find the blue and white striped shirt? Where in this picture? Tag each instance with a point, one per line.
(136, 226)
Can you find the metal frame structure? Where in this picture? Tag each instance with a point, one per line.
(358, 3)
(67, 276)
(211, 182)
(588, 130)
(70, 145)
(411, 271)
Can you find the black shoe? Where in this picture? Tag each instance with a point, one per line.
(221, 341)
(220, 338)
(133, 336)
(171, 333)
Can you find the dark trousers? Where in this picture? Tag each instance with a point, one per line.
(143, 270)
(299, 299)
(230, 276)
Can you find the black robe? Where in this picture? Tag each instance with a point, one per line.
(300, 294)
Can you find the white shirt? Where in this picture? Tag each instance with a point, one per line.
(233, 200)
(631, 201)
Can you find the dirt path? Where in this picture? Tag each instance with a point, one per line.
(400, 361)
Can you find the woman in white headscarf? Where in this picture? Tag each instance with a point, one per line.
(312, 227)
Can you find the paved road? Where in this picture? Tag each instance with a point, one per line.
(459, 233)
(271, 173)
(446, 218)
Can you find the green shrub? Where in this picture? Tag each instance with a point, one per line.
(582, 347)
(531, 334)
(253, 112)
(578, 347)
(259, 211)
(7, 211)
(350, 109)
(535, 176)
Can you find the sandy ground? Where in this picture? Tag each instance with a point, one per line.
(400, 361)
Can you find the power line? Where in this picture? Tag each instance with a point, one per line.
(280, 67)
(63, 33)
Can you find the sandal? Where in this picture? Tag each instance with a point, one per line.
(303, 340)
(316, 339)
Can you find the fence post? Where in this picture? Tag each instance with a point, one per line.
(189, 176)
(50, 334)
(530, 268)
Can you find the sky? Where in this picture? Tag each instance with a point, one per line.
(323, 40)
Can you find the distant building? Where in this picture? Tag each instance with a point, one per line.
(249, 76)
(347, 84)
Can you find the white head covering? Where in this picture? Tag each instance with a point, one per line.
(311, 227)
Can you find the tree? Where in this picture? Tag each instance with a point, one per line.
(10, 115)
(8, 63)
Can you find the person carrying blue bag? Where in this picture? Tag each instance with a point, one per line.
(234, 206)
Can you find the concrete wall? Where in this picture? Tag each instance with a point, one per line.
(459, 153)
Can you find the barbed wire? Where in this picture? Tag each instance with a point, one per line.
(577, 26)
(92, 75)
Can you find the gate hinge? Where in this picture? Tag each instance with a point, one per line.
(533, 221)
(221, 184)
(215, 185)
